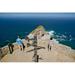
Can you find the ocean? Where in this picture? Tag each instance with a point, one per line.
(13, 24)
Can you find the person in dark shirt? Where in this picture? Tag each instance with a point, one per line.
(11, 46)
(0, 53)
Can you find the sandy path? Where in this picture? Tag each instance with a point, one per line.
(58, 53)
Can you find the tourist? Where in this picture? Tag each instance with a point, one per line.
(49, 44)
(20, 43)
(10, 45)
(0, 53)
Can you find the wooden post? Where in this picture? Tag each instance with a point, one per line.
(36, 58)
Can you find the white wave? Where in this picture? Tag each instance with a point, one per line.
(51, 33)
(56, 41)
(70, 39)
(63, 37)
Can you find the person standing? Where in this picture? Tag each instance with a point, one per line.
(10, 46)
(1, 53)
(49, 44)
(20, 43)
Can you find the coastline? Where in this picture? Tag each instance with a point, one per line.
(57, 47)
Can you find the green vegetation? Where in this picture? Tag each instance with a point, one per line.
(39, 27)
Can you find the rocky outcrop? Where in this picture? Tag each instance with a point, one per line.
(58, 53)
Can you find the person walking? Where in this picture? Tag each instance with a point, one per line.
(20, 43)
(49, 44)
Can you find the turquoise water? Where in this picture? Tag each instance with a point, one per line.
(13, 24)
